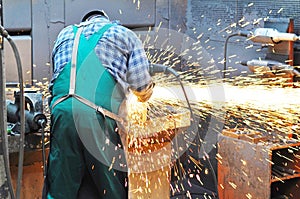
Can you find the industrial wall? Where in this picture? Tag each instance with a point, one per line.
(218, 18)
(220, 14)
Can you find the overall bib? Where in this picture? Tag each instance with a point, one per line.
(85, 145)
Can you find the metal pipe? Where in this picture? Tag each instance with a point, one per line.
(3, 130)
(3, 123)
(22, 116)
(42, 124)
(22, 109)
(239, 33)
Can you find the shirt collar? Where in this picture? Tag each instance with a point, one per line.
(98, 18)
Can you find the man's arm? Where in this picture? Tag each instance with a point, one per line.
(138, 76)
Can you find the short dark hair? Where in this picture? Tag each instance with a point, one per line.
(92, 13)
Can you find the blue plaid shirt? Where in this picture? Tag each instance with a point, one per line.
(120, 51)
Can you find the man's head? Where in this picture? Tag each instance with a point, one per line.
(93, 13)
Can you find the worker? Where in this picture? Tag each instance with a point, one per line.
(111, 62)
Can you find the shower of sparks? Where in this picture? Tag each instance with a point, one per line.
(271, 110)
(266, 105)
(138, 3)
(280, 10)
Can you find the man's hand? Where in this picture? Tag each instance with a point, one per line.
(144, 95)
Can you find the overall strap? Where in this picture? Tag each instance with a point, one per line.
(89, 45)
(74, 62)
(73, 67)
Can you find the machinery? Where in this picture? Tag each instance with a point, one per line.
(272, 37)
(35, 119)
(270, 68)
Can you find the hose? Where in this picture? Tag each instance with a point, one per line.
(5, 34)
(173, 72)
(239, 33)
(3, 130)
(42, 124)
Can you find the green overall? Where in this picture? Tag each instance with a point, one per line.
(81, 159)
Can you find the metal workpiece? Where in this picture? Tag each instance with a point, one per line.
(257, 170)
(242, 169)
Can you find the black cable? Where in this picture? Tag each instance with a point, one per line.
(192, 116)
(5, 34)
(158, 68)
(42, 124)
(168, 69)
(211, 168)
